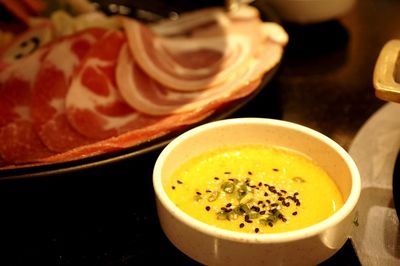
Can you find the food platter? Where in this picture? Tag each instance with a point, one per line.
(52, 169)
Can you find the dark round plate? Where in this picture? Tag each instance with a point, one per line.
(66, 167)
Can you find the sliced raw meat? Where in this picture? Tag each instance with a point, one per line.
(94, 105)
(164, 126)
(196, 58)
(148, 96)
(19, 142)
(51, 87)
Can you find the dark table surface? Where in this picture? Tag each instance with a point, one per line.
(107, 216)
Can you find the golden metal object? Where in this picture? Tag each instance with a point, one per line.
(386, 78)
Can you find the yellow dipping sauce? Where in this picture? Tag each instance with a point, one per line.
(254, 189)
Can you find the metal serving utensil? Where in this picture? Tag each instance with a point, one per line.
(387, 72)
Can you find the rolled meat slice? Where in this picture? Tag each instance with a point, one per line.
(51, 87)
(202, 55)
(148, 96)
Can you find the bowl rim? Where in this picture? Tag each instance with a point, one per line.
(213, 231)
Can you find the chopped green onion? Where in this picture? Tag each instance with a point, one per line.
(254, 215)
(213, 196)
(228, 187)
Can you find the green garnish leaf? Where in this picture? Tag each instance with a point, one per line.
(213, 196)
(242, 191)
(244, 208)
(253, 215)
(228, 187)
(263, 221)
(248, 198)
(274, 217)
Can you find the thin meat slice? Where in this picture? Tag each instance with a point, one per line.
(147, 95)
(195, 58)
(19, 141)
(51, 87)
(167, 125)
(21, 144)
(94, 105)
(201, 49)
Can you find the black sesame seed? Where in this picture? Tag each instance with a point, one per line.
(179, 182)
(260, 184)
(173, 187)
(227, 172)
(260, 202)
(241, 225)
(270, 224)
(249, 221)
(228, 205)
(208, 208)
(208, 191)
(294, 213)
(198, 193)
(249, 172)
(283, 191)
(256, 230)
(216, 178)
(275, 169)
(262, 212)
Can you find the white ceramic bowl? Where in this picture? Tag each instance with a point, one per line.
(310, 11)
(213, 246)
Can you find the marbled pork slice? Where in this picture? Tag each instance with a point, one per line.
(19, 141)
(51, 87)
